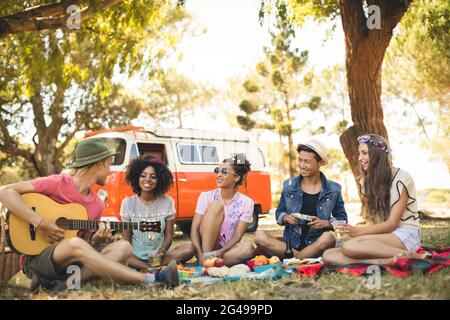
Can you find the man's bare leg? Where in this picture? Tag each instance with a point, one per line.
(76, 249)
(269, 244)
(275, 247)
(118, 251)
(315, 249)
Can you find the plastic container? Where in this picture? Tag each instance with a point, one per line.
(188, 274)
(259, 269)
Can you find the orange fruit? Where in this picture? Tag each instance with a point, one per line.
(261, 260)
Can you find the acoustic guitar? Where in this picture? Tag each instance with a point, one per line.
(23, 237)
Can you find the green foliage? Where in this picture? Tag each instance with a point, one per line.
(438, 196)
(341, 126)
(13, 169)
(261, 69)
(273, 94)
(314, 103)
(251, 86)
(320, 10)
(245, 122)
(55, 83)
(170, 95)
(418, 60)
(417, 67)
(337, 164)
(248, 106)
(334, 101)
(296, 12)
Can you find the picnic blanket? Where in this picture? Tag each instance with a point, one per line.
(270, 273)
(403, 267)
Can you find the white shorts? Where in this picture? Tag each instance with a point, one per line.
(409, 236)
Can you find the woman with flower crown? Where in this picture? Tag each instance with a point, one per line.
(389, 207)
(221, 218)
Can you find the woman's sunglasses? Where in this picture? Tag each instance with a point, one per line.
(223, 171)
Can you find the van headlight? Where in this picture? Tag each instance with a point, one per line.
(102, 194)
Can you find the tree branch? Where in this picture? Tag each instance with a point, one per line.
(395, 11)
(353, 20)
(4, 129)
(9, 145)
(50, 10)
(70, 136)
(48, 17)
(38, 112)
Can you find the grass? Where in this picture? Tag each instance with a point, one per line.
(326, 286)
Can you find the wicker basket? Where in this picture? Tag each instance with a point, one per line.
(9, 261)
(9, 266)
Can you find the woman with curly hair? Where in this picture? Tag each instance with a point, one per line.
(389, 208)
(150, 179)
(221, 218)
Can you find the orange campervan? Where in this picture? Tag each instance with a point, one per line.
(191, 155)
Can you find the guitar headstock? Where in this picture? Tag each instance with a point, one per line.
(153, 226)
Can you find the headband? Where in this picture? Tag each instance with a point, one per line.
(377, 143)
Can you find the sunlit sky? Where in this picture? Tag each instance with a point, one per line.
(231, 46)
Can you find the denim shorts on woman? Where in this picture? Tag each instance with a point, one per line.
(409, 236)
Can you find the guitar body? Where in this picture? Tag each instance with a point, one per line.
(22, 236)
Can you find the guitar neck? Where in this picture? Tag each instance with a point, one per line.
(94, 225)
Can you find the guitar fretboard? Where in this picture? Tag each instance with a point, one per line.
(93, 225)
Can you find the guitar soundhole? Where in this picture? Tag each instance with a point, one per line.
(32, 228)
(63, 223)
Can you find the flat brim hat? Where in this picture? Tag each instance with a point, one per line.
(90, 151)
(318, 147)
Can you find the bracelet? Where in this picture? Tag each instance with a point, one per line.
(90, 238)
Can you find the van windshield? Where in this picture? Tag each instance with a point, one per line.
(118, 145)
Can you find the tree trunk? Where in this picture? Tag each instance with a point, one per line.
(179, 112)
(46, 157)
(292, 158)
(180, 117)
(282, 165)
(46, 164)
(364, 83)
(365, 50)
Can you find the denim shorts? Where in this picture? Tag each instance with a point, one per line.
(409, 236)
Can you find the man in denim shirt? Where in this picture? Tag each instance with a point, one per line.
(310, 194)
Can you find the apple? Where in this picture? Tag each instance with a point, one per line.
(218, 262)
(208, 263)
(250, 264)
(274, 260)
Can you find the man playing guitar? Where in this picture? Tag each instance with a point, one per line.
(93, 251)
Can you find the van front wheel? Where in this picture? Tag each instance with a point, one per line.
(256, 212)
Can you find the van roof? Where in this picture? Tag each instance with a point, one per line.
(173, 133)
